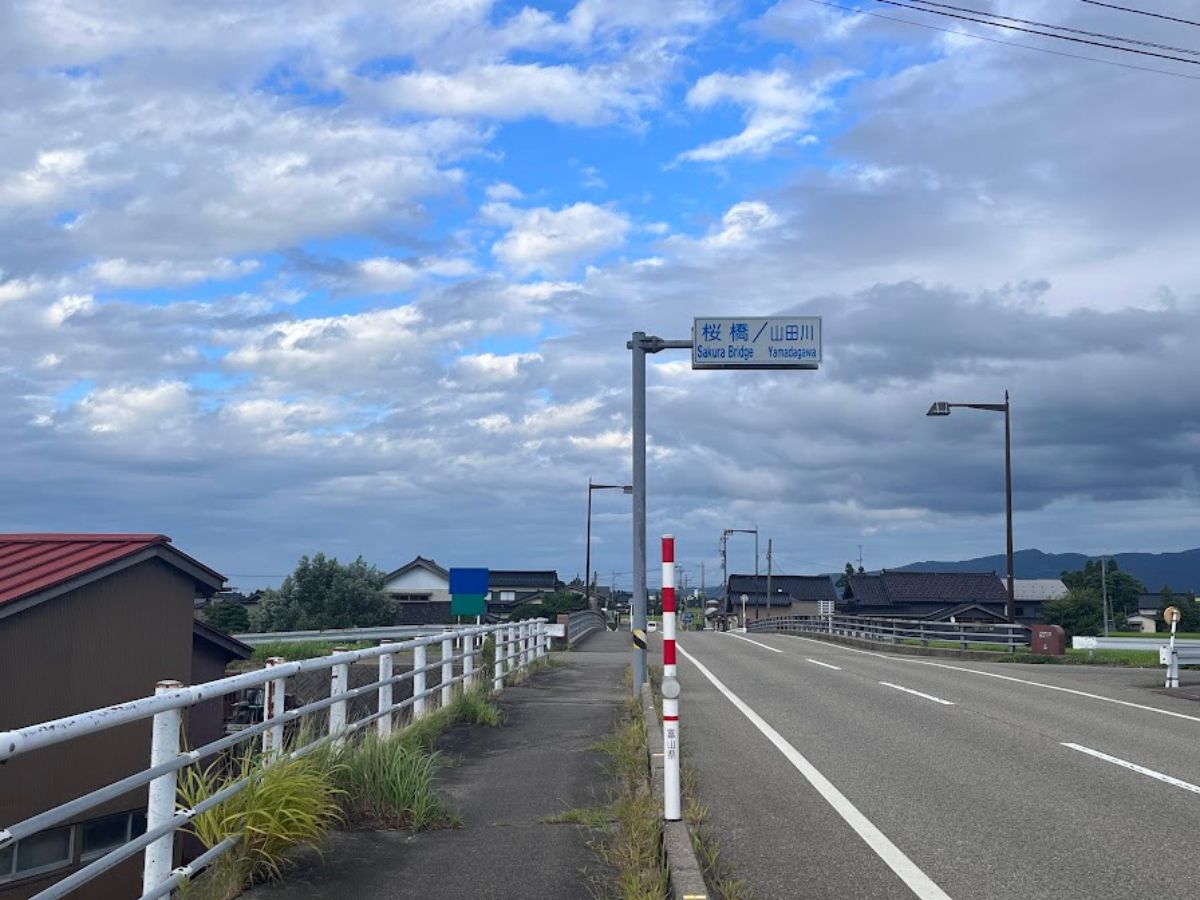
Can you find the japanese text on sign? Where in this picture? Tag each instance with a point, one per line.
(785, 342)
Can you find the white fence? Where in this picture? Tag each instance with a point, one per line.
(517, 645)
(915, 632)
(1171, 653)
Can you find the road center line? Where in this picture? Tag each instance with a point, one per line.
(817, 662)
(917, 881)
(748, 641)
(1041, 684)
(1142, 770)
(917, 693)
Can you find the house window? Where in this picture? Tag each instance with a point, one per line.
(43, 852)
(412, 598)
(99, 836)
(507, 596)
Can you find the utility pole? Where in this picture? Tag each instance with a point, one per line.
(725, 569)
(768, 578)
(756, 608)
(860, 565)
(1104, 590)
(702, 591)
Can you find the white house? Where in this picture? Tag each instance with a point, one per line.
(420, 581)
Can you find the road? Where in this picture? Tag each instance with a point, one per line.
(840, 773)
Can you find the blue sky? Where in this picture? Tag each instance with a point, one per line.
(291, 277)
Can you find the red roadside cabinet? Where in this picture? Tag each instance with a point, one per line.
(1047, 640)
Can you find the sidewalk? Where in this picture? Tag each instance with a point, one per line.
(506, 781)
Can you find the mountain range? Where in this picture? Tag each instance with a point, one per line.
(1181, 571)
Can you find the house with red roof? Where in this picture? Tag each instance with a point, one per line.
(86, 621)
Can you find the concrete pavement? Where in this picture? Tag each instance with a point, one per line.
(963, 768)
(505, 783)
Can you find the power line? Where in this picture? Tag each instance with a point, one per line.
(1143, 12)
(1059, 37)
(1069, 30)
(979, 37)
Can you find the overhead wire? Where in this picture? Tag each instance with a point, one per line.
(1065, 28)
(1143, 12)
(1049, 34)
(980, 37)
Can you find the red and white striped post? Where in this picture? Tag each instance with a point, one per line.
(670, 687)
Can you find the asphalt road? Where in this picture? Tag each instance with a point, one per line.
(879, 776)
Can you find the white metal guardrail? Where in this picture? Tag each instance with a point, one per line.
(917, 632)
(1181, 652)
(517, 644)
(584, 622)
(340, 635)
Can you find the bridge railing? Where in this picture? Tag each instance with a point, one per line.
(584, 622)
(915, 632)
(517, 645)
(340, 635)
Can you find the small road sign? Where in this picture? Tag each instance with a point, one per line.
(749, 342)
(1171, 614)
(468, 592)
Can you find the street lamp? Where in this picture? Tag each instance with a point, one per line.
(587, 564)
(941, 408)
(725, 557)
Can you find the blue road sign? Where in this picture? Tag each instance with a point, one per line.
(469, 581)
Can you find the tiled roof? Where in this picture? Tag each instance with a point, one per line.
(796, 587)
(32, 563)
(531, 580)
(942, 588)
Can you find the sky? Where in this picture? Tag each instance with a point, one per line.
(279, 278)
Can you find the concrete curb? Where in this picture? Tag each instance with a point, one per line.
(683, 868)
(903, 649)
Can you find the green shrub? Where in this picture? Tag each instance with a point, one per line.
(287, 804)
(389, 783)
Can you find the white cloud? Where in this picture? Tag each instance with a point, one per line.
(553, 241)
(497, 368)
(779, 108)
(136, 409)
(67, 306)
(123, 273)
(502, 191)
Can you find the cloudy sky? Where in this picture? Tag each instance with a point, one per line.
(285, 277)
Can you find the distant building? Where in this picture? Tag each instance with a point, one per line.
(87, 621)
(1030, 593)
(935, 596)
(790, 595)
(422, 591)
(508, 588)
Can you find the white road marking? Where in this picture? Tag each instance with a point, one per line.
(748, 641)
(1041, 684)
(817, 662)
(1142, 770)
(917, 881)
(917, 693)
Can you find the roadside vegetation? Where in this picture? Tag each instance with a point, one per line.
(304, 649)
(293, 803)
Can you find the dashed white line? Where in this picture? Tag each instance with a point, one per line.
(817, 662)
(1041, 684)
(1141, 770)
(748, 641)
(917, 881)
(917, 693)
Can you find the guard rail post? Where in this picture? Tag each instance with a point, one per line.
(511, 640)
(274, 694)
(339, 683)
(498, 661)
(447, 668)
(383, 725)
(420, 656)
(468, 661)
(160, 804)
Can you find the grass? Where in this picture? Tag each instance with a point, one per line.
(389, 784)
(594, 817)
(718, 874)
(1157, 636)
(631, 846)
(304, 649)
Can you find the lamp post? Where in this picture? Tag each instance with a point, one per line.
(725, 563)
(941, 408)
(587, 564)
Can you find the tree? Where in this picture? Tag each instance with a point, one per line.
(1189, 612)
(1123, 589)
(844, 578)
(554, 605)
(228, 616)
(324, 593)
(1079, 611)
